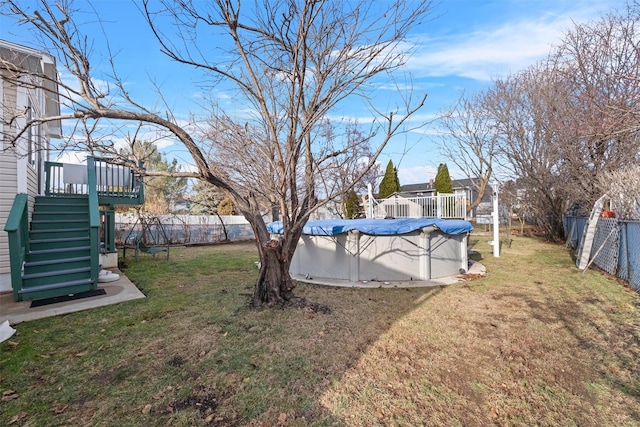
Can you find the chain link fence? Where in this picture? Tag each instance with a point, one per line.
(606, 246)
(629, 261)
(182, 229)
(616, 246)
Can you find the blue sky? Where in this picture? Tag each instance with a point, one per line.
(465, 45)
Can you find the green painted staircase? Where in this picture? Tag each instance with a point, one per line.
(58, 261)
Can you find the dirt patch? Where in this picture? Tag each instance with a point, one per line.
(471, 276)
(176, 361)
(207, 406)
(304, 304)
(202, 402)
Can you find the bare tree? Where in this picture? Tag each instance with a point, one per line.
(598, 63)
(561, 123)
(346, 168)
(470, 141)
(291, 63)
(524, 107)
(514, 199)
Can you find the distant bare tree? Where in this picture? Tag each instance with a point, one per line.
(599, 64)
(559, 124)
(291, 62)
(470, 141)
(524, 107)
(514, 198)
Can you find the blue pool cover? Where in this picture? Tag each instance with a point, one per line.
(377, 227)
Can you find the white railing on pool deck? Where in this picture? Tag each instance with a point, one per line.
(438, 206)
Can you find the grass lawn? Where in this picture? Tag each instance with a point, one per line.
(535, 342)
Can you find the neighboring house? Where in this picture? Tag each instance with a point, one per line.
(57, 220)
(460, 186)
(332, 209)
(22, 165)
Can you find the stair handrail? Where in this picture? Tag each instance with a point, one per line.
(17, 227)
(53, 178)
(94, 220)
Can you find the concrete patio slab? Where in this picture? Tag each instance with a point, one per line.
(117, 291)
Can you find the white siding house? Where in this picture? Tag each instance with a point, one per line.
(28, 90)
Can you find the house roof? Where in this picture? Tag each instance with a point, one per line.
(415, 188)
(41, 64)
(428, 187)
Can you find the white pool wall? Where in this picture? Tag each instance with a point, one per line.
(423, 254)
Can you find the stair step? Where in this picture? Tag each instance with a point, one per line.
(58, 285)
(51, 276)
(62, 200)
(69, 198)
(67, 216)
(63, 230)
(59, 240)
(60, 208)
(63, 218)
(59, 250)
(56, 253)
(52, 265)
(61, 205)
(44, 205)
(70, 259)
(54, 224)
(38, 245)
(53, 234)
(56, 273)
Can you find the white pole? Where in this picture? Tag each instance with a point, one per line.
(496, 222)
(370, 190)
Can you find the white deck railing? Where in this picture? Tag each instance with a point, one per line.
(438, 206)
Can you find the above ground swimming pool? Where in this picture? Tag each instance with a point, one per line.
(380, 249)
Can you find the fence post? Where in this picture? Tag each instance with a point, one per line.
(626, 243)
(496, 222)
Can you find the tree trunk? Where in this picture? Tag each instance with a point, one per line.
(274, 284)
(224, 227)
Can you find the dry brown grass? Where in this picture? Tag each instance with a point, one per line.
(534, 343)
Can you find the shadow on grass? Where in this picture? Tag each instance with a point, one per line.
(536, 342)
(194, 352)
(582, 333)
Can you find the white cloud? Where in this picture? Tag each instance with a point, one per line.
(409, 86)
(188, 167)
(416, 174)
(70, 87)
(496, 50)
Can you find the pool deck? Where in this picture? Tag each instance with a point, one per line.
(116, 292)
(476, 269)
